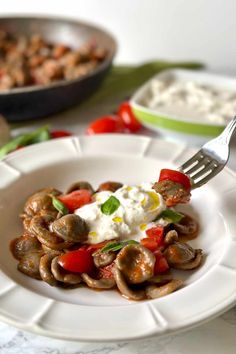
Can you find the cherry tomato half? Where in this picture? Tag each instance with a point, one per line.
(76, 199)
(59, 134)
(156, 233)
(175, 176)
(128, 117)
(161, 264)
(106, 124)
(149, 243)
(79, 261)
(96, 246)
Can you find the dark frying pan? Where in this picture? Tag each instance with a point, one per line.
(30, 102)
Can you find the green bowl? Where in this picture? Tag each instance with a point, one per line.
(165, 122)
(174, 127)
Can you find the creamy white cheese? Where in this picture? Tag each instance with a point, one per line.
(139, 206)
(189, 99)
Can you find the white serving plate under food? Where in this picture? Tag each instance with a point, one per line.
(188, 126)
(86, 315)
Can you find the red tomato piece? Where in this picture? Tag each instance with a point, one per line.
(158, 254)
(156, 233)
(97, 246)
(76, 199)
(79, 261)
(59, 134)
(161, 265)
(149, 243)
(106, 124)
(19, 147)
(175, 176)
(130, 121)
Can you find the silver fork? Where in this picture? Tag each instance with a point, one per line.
(210, 159)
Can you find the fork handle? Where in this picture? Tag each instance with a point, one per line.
(228, 131)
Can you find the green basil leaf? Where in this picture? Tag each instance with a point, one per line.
(59, 206)
(42, 135)
(171, 215)
(110, 205)
(116, 246)
(39, 135)
(109, 246)
(11, 145)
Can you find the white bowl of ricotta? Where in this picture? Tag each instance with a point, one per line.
(186, 105)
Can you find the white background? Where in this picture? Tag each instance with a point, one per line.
(202, 30)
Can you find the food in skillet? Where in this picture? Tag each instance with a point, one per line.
(119, 236)
(32, 60)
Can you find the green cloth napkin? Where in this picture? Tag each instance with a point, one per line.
(123, 80)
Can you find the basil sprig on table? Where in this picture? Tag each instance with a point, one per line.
(171, 215)
(59, 206)
(116, 246)
(110, 205)
(37, 136)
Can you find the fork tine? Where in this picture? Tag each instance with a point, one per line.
(213, 156)
(206, 166)
(212, 169)
(195, 158)
(197, 167)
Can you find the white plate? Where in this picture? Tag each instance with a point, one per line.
(86, 315)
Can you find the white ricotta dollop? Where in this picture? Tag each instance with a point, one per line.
(139, 206)
(191, 100)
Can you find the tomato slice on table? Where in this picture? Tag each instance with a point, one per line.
(128, 117)
(79, 261)
(175, 176)
(59, 134)
(76, 199)
(106, 124)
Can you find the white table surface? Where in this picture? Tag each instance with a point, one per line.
(216, 337)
